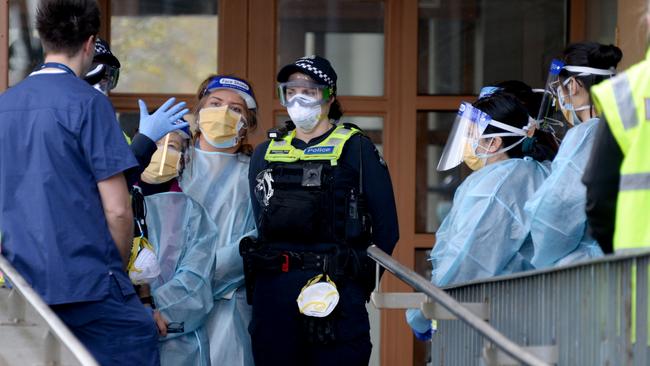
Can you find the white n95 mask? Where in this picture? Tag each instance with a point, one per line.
(143, 264)
(303, 116)
(318, 298)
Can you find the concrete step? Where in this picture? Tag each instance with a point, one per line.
(27, 342)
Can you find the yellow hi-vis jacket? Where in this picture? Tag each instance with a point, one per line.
(625, 102)
(329, 149)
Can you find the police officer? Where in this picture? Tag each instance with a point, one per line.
(321, 195)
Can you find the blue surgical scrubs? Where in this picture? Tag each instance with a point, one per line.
(58, 139)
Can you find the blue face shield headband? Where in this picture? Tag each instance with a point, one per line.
(467, 131)
(231, 83)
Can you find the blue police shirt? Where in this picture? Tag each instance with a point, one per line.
(58, 138)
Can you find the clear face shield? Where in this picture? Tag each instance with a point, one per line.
(467, 132)
(468, 127)
(557, 110)
(549, 116)
(306, 93)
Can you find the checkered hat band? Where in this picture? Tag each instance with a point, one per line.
(317, 72)
(101, 50)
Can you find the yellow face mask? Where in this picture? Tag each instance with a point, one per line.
(220, 126)
(471, 160)
(170, 166)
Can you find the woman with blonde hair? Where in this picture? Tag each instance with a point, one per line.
(216, 177)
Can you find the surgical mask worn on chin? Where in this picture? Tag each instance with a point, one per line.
(170, 167)
(318, 297)
(220, 126)
(304, 117)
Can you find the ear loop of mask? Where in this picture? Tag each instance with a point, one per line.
(583, 71)
(559, 93)
(512, 132)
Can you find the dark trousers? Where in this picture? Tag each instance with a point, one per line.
(279, 338)
(117, 330)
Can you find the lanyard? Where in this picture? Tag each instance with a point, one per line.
(57, 65)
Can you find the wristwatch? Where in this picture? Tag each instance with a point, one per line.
(148, 300)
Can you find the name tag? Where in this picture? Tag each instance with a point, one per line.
(319, 150)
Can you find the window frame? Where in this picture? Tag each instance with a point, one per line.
(232, 16)
(251, 41)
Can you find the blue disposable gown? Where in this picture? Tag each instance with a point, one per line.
(183, 236)
(558, 222)
(219, 182)
(484, 234)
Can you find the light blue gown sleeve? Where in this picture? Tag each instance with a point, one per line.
(187, 295)
(229, 266)
(558, 222)
(486, 227)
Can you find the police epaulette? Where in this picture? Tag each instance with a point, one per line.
(350, 126)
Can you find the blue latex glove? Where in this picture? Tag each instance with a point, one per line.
(420, 325)
(424, 337)
(163, 121)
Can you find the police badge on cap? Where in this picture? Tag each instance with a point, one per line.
(318, 68)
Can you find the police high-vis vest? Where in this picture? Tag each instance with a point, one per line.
(625, 102)
(329, 149)
(308, 196)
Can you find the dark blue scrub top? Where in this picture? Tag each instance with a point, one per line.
(58, 138)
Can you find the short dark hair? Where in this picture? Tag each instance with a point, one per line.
(64, 25)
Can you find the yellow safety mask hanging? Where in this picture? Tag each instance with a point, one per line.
(143, 264)
(319, 297)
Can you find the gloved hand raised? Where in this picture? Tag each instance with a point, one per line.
(420, 325)
(163, 121)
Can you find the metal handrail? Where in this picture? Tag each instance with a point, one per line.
(58, 328)
(419, 283)
(610, 258)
